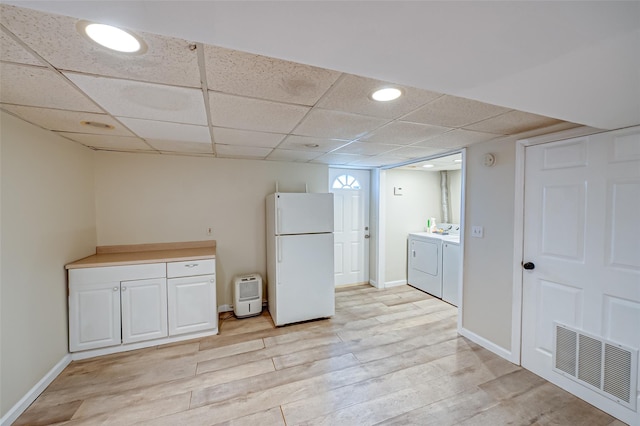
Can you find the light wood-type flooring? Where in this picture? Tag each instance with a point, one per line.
(389, 357)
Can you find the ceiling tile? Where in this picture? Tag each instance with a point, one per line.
(337, 159)
(457, 139)
(161, 130)
(451, 111)
(144, 100)
(403, 133)
(365, 148)
(225, 136)
(109, 142)
(28, 85)
(323, 123)
(234, 151)
(254, 114)
(441, 163)
(411, 152)
(241, 73)
(352, 93)
(181, 147)
(67, 121)
(378, 161)
(513, 122)
(289, 155)
(11, 51)
(306, 143)
(167, 60)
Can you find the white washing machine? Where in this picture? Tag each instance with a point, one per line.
(425, 260)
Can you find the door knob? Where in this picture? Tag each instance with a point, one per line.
(529, 266)
(366, 236)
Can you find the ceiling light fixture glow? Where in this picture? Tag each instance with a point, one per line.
(457, 161)
(427, 166)
(111, 37)
(386, 94)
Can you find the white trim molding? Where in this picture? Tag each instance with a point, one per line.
(33, 393)
(487, 344)
(396, 283)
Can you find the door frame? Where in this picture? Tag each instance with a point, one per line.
(378, 209)
(515, 355)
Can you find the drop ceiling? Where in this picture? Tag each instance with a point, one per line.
(188, 97)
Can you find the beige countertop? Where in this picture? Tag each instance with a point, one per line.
(147, 253)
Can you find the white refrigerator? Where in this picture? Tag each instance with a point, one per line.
(300, 272)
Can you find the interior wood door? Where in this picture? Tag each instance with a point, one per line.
(582, 239)
(351, 225)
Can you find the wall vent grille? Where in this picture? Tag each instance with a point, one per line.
(606, 367)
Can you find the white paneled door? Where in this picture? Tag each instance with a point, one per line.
(581, 263)
(351, 225)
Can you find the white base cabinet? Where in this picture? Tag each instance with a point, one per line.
(122, 305)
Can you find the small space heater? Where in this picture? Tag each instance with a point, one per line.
(247, 295)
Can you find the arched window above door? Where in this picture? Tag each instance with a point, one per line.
(345, 182)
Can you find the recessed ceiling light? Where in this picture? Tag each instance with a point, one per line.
(386, 94)
(427, 166)
(111, 37)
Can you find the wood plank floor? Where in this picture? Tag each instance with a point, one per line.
(389, 357)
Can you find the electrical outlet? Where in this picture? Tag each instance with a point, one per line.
(209, 231)
(477, 231)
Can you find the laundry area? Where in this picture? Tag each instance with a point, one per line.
(423, 226)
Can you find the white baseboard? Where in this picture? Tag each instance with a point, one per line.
(498, 350)
(226, 308)
(24, 403)
(92, 353)
(397, 283)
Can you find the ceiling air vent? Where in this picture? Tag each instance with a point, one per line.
(606, 367)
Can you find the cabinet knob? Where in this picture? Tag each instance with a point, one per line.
(115, 289)
(211, 280)
(191, 265)
(124, 288)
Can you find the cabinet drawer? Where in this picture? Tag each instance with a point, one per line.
(191, 267)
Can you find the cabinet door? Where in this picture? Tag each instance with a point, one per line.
(94, 315)
(192, 304)
(144, 309)
(450, 273)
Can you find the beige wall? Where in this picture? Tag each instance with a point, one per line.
(488, 261)
(407, 213)
(159, 198)
(48, 220)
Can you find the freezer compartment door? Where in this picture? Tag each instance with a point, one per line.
(303, 213)
(305, 281)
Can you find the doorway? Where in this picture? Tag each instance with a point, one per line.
(411, 197)
(351, 190)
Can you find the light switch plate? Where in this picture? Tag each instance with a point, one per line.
(477, 231)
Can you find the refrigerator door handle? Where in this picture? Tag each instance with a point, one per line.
(279, 251)
(278, 220)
